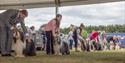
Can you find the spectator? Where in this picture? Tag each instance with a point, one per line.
(70, 37)
(80, 37)
(43, 36)
(75, 38)
(84, 34)
(103, 41)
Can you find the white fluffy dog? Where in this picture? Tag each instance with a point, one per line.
(111, 45)
(117, 47)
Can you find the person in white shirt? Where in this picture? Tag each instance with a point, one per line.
(70, 38)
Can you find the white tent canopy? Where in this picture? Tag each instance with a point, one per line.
(18, 4)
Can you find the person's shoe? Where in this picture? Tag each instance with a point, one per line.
(19, 56)
(42, 49)
(48, 53)
(9, 55)
(77, 51)
(3, 55)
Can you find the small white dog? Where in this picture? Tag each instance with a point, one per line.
(111, 45)
(117, 47)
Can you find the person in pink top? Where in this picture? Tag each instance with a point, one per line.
(52, 29)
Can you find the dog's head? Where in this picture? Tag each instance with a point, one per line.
(18, 35)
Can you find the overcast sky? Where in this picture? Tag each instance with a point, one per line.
(96, 14)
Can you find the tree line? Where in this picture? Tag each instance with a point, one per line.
(108, 29)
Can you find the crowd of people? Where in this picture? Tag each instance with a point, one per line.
(24, 38)
(78, 37)
(96, 40)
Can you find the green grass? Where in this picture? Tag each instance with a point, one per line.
(75, 57)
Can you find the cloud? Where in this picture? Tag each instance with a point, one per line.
(39, 16)
(97, 14)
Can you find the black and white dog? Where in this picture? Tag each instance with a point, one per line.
(64, 47)
(19, 46)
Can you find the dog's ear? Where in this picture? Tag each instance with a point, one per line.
(16, 33)
(22, 36)
(0, 29)
(14, 39)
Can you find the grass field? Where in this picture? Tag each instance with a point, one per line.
(75, 57)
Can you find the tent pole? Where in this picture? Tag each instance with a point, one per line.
(57, 9)
(57, 4)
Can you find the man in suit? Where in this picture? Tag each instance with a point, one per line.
(8, 19)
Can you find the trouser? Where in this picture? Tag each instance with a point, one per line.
(87, 47)
(84, 45)
(96, 45)
(44, 42)
(71, 43)
(75, 41)
(6, 38)
(49, 44)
